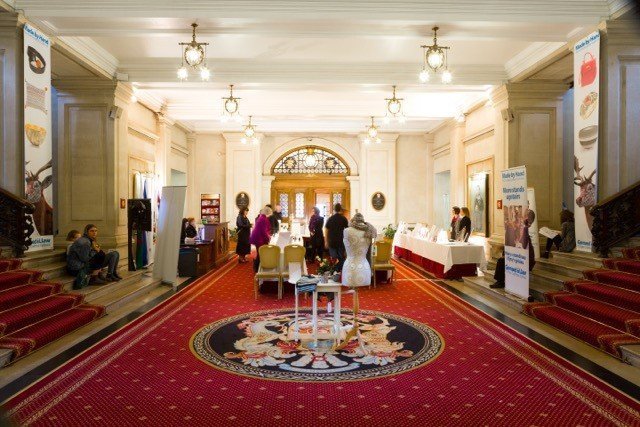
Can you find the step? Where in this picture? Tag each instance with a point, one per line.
(27, 314)
(605, 293)
(594, 333)
(549, 278)
(559, 266)
(619, 279)
(622, 264)
(93, 292)
(481, 284)
(116, 299)
(11, 279)
(25, 294)
(538, 289)
(611, 315)
(36, 259)
(585, 259)
(50, 329)
(53, 270)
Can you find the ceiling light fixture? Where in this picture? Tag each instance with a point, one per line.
(250, 133)
(195, 56)
(394, 108)
(435, 59)
(372, 133)
(230, 108)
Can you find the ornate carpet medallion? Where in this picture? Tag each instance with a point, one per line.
(261, 344)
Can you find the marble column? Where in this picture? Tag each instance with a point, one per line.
(90, 144)
(163, 147)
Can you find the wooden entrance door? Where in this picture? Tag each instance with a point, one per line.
(298, 195)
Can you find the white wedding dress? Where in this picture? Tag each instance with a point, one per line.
(356, 270)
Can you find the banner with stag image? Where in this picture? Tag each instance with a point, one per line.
(518, 218)
(586, 61)
(38, 149)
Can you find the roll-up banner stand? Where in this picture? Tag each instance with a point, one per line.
(38, 148)
(586, 61)
(516, 210)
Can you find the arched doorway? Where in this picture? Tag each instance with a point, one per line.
(309, 176)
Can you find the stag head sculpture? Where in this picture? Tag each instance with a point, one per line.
(587, 197)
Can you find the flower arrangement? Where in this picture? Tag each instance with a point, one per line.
(233, 234)
(327, 265)
(389, 231)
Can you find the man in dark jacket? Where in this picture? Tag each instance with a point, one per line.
(335, 234)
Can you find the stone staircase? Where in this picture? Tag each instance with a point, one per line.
(119, 299)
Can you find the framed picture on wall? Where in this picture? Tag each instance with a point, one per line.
(477, 201)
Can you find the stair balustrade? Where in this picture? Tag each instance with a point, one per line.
(16, 222)
(615, 219)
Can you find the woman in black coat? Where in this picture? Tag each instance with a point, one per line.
(243, 226)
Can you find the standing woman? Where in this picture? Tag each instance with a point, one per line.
(315, 230)
(243, 248)
(261, 234)
(465, 225)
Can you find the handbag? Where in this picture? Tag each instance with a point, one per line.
(588, 69)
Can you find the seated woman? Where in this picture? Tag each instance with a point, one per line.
(85, 259)
(190, 230)
(566, 240)
(72, 236)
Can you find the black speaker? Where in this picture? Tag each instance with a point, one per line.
(139, 214)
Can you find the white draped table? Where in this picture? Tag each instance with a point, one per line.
(443, 259)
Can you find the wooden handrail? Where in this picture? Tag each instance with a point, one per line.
(16, 221)
(6, 194)
(616, 218)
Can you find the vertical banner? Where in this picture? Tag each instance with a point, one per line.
(533, 228)
(169, 228)
(516, 211)
(38, 149)
(586, 61)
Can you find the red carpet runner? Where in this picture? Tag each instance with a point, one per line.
(603, 311)
(34, 313)
(487, 374)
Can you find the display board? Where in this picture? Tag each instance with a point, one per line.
(38, 148)
(516, 210)
(169, 228)
(586, 54)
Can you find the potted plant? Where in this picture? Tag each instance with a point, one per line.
(389, 231)
(233, 239)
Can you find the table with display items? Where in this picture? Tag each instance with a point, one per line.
(445, 260)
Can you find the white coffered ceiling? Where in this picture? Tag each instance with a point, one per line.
(302, 65)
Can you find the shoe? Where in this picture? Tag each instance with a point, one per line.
(497, 285)
(97, 280)
(545, 255)
(113, 278)
(117, 276)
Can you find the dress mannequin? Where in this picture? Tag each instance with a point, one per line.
(356, 271)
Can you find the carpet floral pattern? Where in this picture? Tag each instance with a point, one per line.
(263, 345)
(487, 374)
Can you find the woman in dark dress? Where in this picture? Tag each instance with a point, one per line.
(315, 230)
(243, 248)
(465, 225)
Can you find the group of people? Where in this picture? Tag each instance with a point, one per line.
(460, 224)
(87, 262)
(323, 236)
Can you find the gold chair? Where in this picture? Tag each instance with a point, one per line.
(292, 253)
(382, 260)
(269, 267)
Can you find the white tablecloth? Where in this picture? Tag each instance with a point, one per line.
(447, 254)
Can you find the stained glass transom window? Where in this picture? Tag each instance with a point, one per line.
(283, 201)
(337, 198)
(310, 160)
(299, 205)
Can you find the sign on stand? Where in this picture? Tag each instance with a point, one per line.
(516, 211)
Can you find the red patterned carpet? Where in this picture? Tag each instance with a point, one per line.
(487, 374)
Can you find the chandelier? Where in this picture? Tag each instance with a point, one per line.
(394, 109)
(230, 108)
(372, 133)
(195, 56)
(435, 59)
(249, 134)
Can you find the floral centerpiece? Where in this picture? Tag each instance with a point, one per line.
(389, 231)
(326, 268)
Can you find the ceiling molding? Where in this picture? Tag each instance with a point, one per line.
(150, 100)
(91, 52)
(534, 56)
(8, 5)
(618, 8)
(400, 10)
(294, 72)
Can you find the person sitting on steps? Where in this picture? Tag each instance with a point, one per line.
(85, 260)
